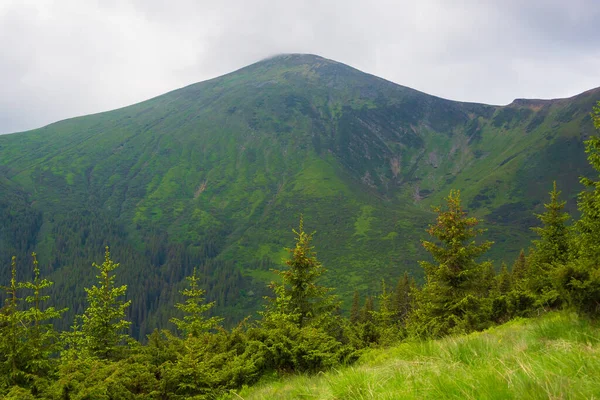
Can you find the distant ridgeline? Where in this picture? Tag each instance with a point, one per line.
(214, 175)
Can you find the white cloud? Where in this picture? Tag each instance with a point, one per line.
(71, 57)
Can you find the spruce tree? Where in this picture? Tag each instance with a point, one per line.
(579, 279)
(103, 322)
(402, 299)
(299, 294)
(588, 226)
(195, 322)
(503, 280)
(553, 245)
(13, 350)
(451, 299)
(355, 310)
(519, 269)
(42, 339)
(384, 316)
(366, 313)
(549, 251)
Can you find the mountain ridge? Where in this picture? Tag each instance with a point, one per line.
(215, 174)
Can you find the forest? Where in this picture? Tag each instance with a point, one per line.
(302, 327)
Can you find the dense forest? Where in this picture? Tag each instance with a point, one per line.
(214, 175)
(302, 326)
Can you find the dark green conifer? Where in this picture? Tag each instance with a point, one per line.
(13, 350)
(355, 310)
(402, 299)
(299, 294)
(579, 279)
(41, 336)
(195, 322)
(519, 269)
(503, 280)
(451, 299)
(103, 322)
(549, 251)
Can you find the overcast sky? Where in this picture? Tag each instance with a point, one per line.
(64, 58)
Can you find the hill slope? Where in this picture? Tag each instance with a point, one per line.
(217, 173)
(556, 356)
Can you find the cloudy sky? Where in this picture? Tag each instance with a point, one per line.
(65, 58)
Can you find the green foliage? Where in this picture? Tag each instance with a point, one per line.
(13, 349)
(403, 297)
(302, 329)
(299, 297)
(103, 323)
(556, 356)
(27, 338)
(42, 339)
(579, 280)
(355, 310)
(213, 174)
(549, 252)
(451, 299)
(194, 323)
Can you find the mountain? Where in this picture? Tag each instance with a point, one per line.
(217, 173)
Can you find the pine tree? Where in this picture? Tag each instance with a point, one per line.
(451, 299)
(355, 310)
(366, 313)
(103, 322)
(299, 294)
(519, 269)
(12, 333)
(503, 280)
(41, 338)
(402, 299)
(553, 245)
(588, 225)
(579, 279)
(194, 323)
(549, 251)
(384, 316)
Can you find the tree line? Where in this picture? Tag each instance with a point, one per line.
(301, 327)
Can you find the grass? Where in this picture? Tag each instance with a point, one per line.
(556, 356)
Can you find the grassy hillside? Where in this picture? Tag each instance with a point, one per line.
(556, 356)
(216, 174)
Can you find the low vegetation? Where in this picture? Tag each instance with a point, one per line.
(302, 330)
(556, 356)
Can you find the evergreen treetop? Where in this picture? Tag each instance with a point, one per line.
(103, 322)
(194, 322)
(299, 294)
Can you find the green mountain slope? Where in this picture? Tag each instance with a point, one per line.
(216, 174)
(553, 357)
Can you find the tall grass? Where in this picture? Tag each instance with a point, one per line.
(556, 356)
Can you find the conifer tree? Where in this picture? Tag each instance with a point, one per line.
(355, 310)
(41, 338)
(588, 225)
(194, 322)
(366, 313)
(384, 316)
(519, 269)
(299, 294)
(549, 251)
(553, 245)
(103, 322)
(451, 299)
(579, 280)
(12, 333)
(402, 299)
(503, 280)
